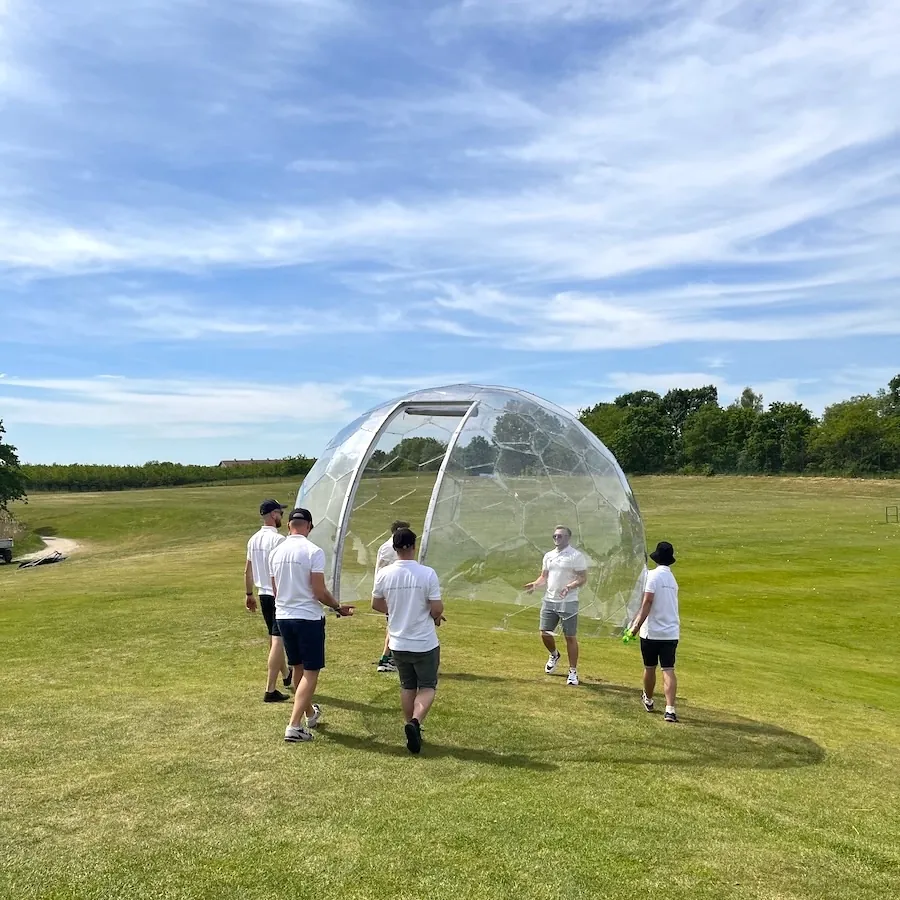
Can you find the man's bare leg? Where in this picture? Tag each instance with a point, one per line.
(276, 660)
(408, 702)
(306, 687)
(572, 650)
(423, 700)
(649, 681)
(670, 686)
(549, 641)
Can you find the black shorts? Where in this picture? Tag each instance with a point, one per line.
(417, 670)
(304, 642)
(658, 653)
(267, 608)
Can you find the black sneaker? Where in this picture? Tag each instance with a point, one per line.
(413, 736)
(647, 701)
(274, 697)
(670, 717)
(286, 681)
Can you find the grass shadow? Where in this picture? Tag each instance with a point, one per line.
(703, 737)
(440, 751)
(353, 705)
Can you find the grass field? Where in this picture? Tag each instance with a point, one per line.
(137, 759)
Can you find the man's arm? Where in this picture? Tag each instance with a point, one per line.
(540, 581)
(248, 586)
(643, 612)
(577, 582)
(379, 604)
(325, 597)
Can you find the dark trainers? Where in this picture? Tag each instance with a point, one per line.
(387, 665)
(670, 717)
(286, 681)
(647, 701)
(274, 697)
(413, 736)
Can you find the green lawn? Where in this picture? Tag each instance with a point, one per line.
(137, 759)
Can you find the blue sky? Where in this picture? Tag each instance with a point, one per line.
(227, 228)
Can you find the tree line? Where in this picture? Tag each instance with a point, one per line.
(153, 474)
(687, 431)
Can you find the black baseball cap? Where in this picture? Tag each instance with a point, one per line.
(269, 506)
(299, 514)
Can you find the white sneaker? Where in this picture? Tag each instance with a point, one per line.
(573, 678)
(313, 720)
(297, 734)
(551, 662)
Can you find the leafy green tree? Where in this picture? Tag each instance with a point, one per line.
(644, 441)
(603, 420)
(749, 399)
(705, 440)
(856, 439)
(638, 399)
(12, 479)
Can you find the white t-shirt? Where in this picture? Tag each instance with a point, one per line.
(386, 554)
(292, 562)
(561, 566)
(409, 587)
(662, 624)
(258, 549)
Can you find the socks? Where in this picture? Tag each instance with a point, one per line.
(670, 709)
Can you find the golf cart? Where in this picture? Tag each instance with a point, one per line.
(6, 546)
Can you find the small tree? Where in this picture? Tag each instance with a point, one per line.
(12, 481)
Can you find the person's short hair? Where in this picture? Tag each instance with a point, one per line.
(564, 528)
(396, 526)
(403, 539)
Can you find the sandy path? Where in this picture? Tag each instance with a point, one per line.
(64, 545)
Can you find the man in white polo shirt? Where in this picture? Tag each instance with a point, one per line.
(298, 581)
(385, 556)
(410, 595)
(563, 571)
(257, 574)
(659, 626)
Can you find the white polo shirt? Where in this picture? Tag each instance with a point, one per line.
(292, 562)
(258, 549)
(663, 623)
(386, 554)
(409, 587)
(561, 566)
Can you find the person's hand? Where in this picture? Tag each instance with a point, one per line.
(529, 588)
(564, 592)
(251, 603)
(437, 622)
(627, 636)
(345, 609)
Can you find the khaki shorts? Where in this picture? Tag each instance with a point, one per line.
(417, 670)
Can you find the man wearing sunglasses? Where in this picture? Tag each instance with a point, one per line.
(298, 581)
(563, 571)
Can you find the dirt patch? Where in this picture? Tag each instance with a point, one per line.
(52, 544)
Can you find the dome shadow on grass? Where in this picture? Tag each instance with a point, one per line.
(631, 736)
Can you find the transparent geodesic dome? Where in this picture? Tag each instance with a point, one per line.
(483, 475)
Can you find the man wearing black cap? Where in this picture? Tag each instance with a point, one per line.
(298, 581)
(258, 574)
(658, 623)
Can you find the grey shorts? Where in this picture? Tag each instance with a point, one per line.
(417, 670)
(568, 618)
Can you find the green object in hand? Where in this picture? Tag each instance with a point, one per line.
(628, 636)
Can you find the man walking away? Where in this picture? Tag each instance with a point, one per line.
(659, 626)
(298, 580)
(257, 574)
(386, 555)
(563, 571)
(410, 595)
